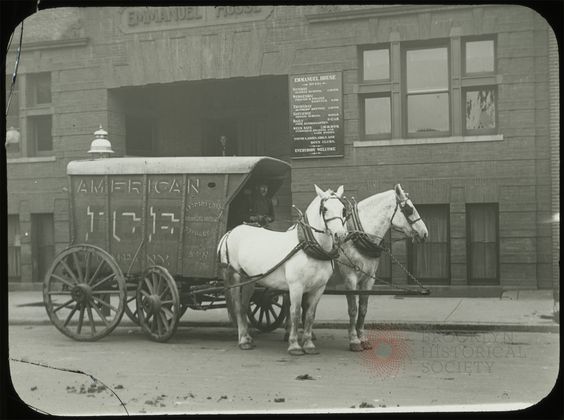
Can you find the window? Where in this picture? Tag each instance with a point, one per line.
(436, 88)
(480, 110)
(377, 116)
(40, 134)
(376, 64)
(427, 91)
(39, 91)
(37, 116)
(429, 261)
(479, 56)
(377, 104)
(482, 245)
(14, 244)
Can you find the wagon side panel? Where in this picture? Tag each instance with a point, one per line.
(127, 195)
(163, 214)
(89, 210)
(205, 218)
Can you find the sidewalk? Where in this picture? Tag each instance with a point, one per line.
(514, 311)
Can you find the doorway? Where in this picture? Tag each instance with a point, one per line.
(42, 244)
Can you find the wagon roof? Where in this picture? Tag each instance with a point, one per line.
(179, 165)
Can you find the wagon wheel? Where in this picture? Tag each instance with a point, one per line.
(158, 303)
(131, 301)
(84, 293)
(267, 309)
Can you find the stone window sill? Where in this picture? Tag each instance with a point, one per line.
(429, 140)
(32, 159)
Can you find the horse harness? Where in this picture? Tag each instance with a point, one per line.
(358, 235)
(306, 242)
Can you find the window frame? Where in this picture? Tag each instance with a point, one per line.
(475, 38)
(423, 45)
(432, 281)
(459, 82)
(375, 47)
(32, 135)
(33, 82)
(481, 281)
(479, 131)
(379, 136)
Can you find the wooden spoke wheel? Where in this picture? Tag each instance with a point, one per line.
(158, 304)
(268, 309)
(84, 293)
(131, 301)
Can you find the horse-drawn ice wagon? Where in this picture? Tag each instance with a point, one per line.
(144, 233)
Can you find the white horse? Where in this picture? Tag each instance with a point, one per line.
(375, 215)
(248, 251)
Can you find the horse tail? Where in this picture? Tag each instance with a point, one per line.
(225, 274)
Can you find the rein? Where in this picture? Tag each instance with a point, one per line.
(365, 246)
(306, 242)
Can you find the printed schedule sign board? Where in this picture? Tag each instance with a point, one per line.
(316, 115)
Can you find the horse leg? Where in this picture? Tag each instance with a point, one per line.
(240, 314)
(288, 322)
(354, 341)
(363, 308)
(294, 347)
(311, 306)
(246, 294)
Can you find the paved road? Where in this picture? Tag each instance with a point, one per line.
(202, 370)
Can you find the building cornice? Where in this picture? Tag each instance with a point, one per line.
(44, 45)
(336, 14)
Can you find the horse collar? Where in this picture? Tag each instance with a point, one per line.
(360, 238)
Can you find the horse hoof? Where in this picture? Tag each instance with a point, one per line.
(246, 346)
(355, 346)
(313, 337)
(366, 345)
(286, 337)
(296, 352)
(311, 350)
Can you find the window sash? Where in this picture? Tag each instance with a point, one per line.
(456, 77)
(370, 121)
(429, 261)
(466, 60)
(41, 134)
(489, 118)
(382, 69)
(483, 243)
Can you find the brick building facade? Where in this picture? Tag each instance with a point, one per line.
(457, 103)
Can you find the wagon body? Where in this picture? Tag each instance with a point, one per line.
(167, 211)
(144, 233)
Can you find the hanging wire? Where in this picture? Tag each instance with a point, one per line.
(15, 73)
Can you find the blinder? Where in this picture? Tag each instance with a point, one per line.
(406, 209)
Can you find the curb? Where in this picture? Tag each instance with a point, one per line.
(404, 326)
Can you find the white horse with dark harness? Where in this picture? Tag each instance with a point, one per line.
(299, 260)
(368, 222)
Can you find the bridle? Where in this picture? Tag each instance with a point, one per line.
(322, 210)
(406, 209)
